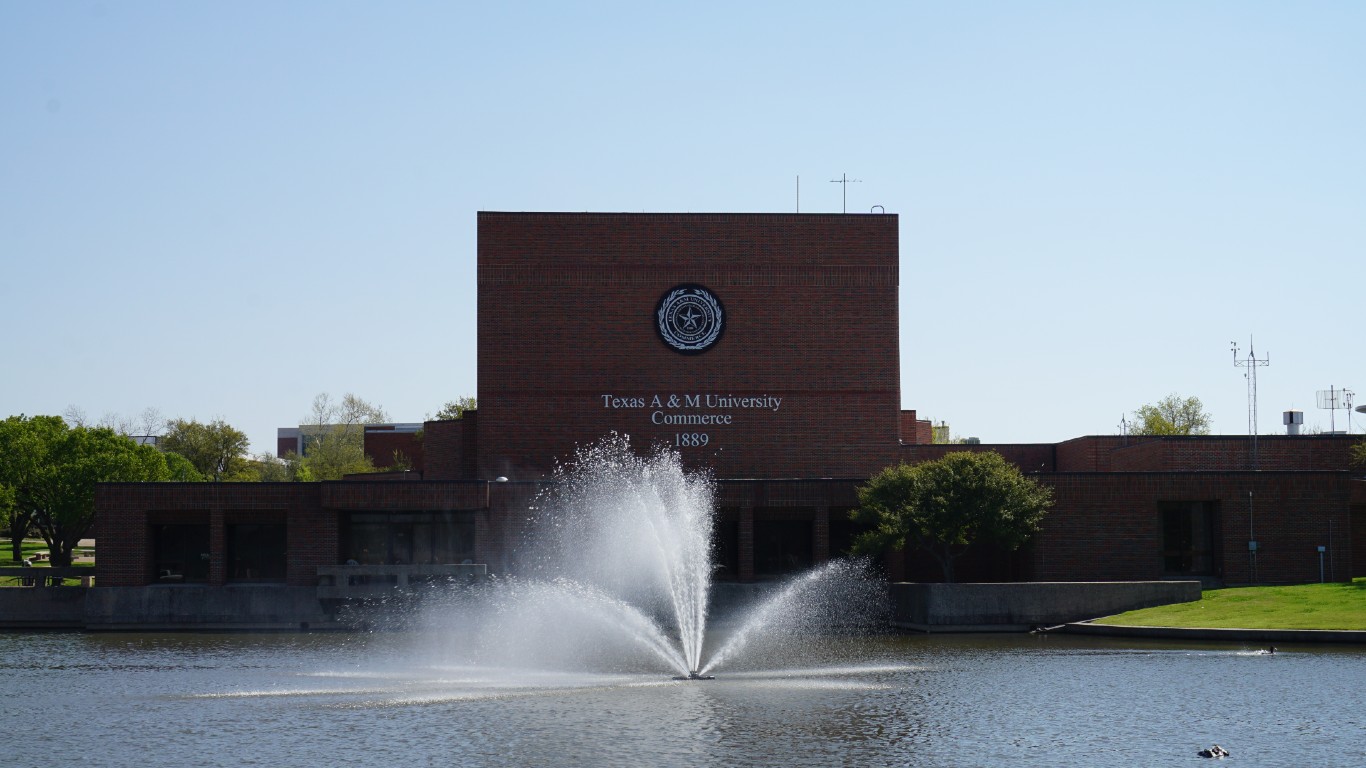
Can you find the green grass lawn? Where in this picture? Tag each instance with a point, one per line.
(1304, 606)
(30, 548)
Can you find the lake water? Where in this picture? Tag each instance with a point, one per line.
(409, 700)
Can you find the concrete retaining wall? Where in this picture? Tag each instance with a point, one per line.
(42, 607)
(190, 606)
(923, 607)
(1015, 607)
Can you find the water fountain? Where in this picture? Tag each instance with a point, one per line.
(617, 574)
(569, 663)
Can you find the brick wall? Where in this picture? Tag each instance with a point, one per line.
(129, 510)
(567, 303)
(1091, 454)
(381, 445)
(1139, 453)
(916, 431)
(1029, 457)
(443, 448)
(1358, 515)
(1108, 526)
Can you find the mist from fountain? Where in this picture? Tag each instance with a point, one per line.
(616, 575)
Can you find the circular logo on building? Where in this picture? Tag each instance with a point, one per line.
(690, 319)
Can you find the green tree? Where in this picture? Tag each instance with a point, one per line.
(334, 438)
(52, 470)
(266, 468)
(217, 450)
(23, 444)
(180, 470)
(1358, 454)
(1172, 415)
(945, 506)
(455, 409)
(11, 523)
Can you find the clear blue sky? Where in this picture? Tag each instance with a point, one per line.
(220, 210)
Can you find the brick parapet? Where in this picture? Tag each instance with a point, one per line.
(384, 447)
(1180, 453)
(1028, 457)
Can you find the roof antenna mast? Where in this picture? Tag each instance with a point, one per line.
(1251, 363)
(844, 181)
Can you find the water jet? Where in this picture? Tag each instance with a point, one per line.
(618, 577)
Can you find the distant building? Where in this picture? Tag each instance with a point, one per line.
(384, 443)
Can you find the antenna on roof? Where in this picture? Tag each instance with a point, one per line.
(844, 181)
(1251, 363)
(1331, 400)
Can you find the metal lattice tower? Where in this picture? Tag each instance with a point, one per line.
(1251, 363)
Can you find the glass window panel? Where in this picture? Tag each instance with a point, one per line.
(180, 553)
(256, 552)
(368, 544)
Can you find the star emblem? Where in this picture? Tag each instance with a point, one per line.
(689, 318)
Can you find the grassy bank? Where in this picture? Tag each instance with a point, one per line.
(1304, 606)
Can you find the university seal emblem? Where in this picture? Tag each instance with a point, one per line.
(689, 319)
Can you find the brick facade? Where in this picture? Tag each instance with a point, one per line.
(385, 447)
(131, 509)
(1106, 526)
(569, 351)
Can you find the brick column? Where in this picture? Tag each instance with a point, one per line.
(218, 548)
(820, 535)
(746, 536)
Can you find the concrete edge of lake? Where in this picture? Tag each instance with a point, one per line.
(1000, 607)
(931, 608)
(1013, 607)
(1218, 634)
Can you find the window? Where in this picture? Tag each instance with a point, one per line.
(256, 552)
(1188, 537)
(401, 538)
(180, 553)
(781, 546)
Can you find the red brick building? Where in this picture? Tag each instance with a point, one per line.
(764, 348)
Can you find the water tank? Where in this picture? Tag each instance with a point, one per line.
(1292, 421)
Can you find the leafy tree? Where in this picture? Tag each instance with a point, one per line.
(180, 470)
(217, 450)
(12, 522)
(266, 468)
(1358, 454)
(149, 422)
(51, 470)
(1172, 415)
(334, 438)
(945, 506)
(455, 409)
